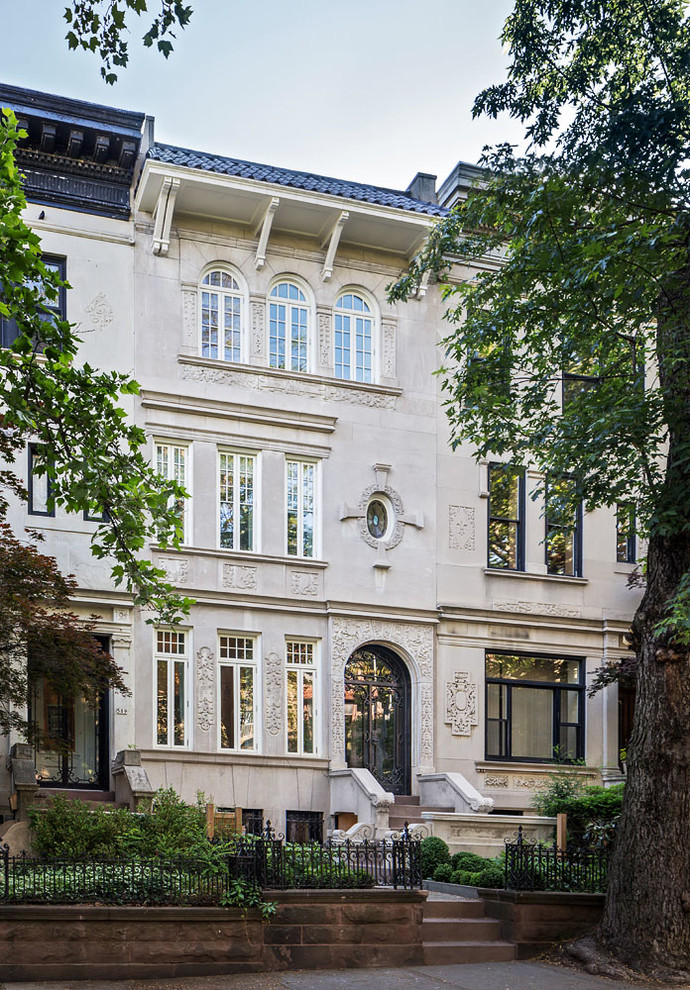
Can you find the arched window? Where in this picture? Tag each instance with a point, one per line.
(353, 338)
(221, 317)
(288, 320)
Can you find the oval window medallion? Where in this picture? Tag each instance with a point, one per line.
(377, 518)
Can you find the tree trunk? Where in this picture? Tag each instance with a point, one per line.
(645, 923)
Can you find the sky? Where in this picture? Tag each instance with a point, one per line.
(367, 90)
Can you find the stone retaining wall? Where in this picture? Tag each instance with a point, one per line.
(534, 920)
(310, 930)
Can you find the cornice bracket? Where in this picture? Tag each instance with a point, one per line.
(165, 208)
(264, 226)
(333, 239)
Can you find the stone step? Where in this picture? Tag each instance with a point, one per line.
(447, 953)
(92, 799)
(76, 794)
(457, 908)
(460, 929)
(407, 799)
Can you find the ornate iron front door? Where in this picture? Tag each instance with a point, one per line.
(377, 716)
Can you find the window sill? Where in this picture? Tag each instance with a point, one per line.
(625, 568)
(246, 556)
(224, 758)
(279, 380)
(528, 576)
(519, 766)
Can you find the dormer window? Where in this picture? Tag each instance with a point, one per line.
(221, 317)
(288, 327)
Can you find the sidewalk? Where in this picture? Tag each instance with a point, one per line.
(472, 976)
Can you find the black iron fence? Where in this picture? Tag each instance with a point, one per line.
(533, 865)
(266, 861)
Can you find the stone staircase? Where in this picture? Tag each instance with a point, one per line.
(408, 809)
(455, 930)
(92, 799)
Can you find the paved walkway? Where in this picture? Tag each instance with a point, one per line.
(472, 976)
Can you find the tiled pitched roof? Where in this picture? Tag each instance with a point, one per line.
(288, 177)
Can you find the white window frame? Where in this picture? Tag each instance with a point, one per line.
(238, 294)
(182, 477)
(235, 454)
(315, 465)
(236, 664)
(170, 658)
(352, 314)
(290, 305)
(299, 668)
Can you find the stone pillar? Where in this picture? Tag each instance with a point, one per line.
(23, 777)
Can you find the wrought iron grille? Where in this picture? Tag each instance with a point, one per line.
(532, 865)
(265, 860)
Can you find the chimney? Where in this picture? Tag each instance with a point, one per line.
(423, 187)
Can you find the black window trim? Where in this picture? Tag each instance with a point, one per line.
(631, 538)
(577, 533)
(49, 513)
(520, 549)
(555, 687)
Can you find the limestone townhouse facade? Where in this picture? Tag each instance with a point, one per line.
(375, 614)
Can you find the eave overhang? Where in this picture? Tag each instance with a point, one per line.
(169, 191)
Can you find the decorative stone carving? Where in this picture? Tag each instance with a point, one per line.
(531, 783)
(205, 676)
(100, 314)
(375, 400)
(417, 641)
(496, 780)
(288, 383)
(325, 339)
(539, 608)
(122, 615)
(461, 704)
(176, 569)
(258, 327)
(461, 528)
(240, 577)
(397, 503)
(305, 584)
(189, 319)
(388, 363)
(273, 679)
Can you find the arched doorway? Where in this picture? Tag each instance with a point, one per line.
(377, 716)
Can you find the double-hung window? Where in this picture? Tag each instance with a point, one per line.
(221, 317)
(236, 481)
(534, 708)
(171, 464)
(353, 323)
(300, 486)
(40, 501)
(301, 697)
(506, 544)
(237, 663)
(626, 548)
(288, 319)
(54, 307)
(172, 678)
(563, 528)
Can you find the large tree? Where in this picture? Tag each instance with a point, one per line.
(570, 351)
